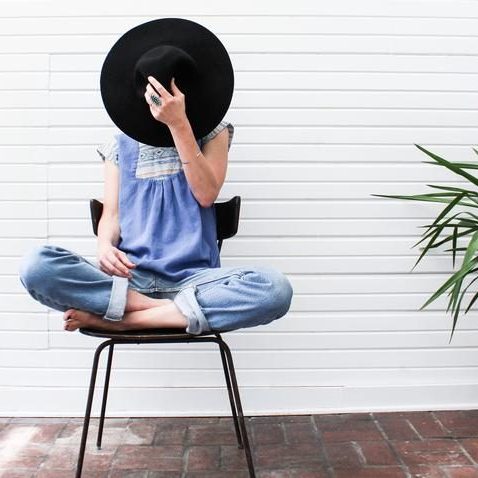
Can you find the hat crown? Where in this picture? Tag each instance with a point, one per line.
(166, 48)
(164, 62)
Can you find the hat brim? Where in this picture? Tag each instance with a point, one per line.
(204, 109)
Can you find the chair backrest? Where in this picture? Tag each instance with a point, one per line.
(227, 217)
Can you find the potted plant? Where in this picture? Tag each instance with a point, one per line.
(448, 227)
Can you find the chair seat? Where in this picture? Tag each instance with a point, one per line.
(144, 334)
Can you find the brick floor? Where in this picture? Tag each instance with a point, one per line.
(440, 444)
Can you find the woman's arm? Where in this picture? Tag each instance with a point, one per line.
(108, 227)
(108, 230)
(205, 172)
(110, 259)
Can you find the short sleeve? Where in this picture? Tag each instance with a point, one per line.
(223, 124)
(109, 151)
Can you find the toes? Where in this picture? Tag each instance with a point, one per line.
(70, 325)
(68, 314)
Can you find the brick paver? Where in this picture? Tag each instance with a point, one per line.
(435, 444)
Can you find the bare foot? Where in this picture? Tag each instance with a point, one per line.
(166, 315)
(74, 319)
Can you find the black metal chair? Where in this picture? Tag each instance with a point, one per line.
(227, 214)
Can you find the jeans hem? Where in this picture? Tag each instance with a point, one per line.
(187, 303)
(117, 302)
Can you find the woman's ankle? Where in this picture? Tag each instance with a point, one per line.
(162, 316)
(136, 301)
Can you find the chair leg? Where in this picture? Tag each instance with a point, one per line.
(105, 395)
(86, 422)
(235, 388)
(231, 397)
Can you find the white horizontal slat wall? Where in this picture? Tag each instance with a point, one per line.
(330, 98)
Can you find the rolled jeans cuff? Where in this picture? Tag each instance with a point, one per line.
(117, 301)
(187, 303)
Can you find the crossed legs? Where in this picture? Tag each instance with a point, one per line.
(65, 281)
(218, 300)
(141, 312)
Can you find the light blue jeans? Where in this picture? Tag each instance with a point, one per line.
(212, 299)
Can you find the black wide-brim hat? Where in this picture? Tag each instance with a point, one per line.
(166, 48)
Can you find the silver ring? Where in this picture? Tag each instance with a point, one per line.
(155, 100)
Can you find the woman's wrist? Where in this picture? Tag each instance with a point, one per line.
(182, 129)
(180, 125)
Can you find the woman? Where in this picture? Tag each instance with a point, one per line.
(158, 260)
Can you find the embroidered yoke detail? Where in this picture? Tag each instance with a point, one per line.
(159, 162)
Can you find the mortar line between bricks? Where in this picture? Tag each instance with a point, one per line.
(109, 471)
(440, 424)
(113, 460)
(185, 461)
(251, 433)
(403, 465)
(221, 457)
(463, 449)
(284, 432)
(444, 469)
(329, 469)
(187, 436)
(359, 451)
(410, 424)
(445, 473)
(115, 454)
(50, 448)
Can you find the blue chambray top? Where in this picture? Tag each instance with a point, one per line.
(163, 228)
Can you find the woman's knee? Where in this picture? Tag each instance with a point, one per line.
(32, 268)
(283, 292)
(279, 296)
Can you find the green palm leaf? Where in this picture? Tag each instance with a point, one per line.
(448, 227)
(449, 165)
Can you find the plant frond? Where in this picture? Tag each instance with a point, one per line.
(449, 165)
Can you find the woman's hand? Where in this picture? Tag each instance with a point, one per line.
(113, 261)
(172, 110)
